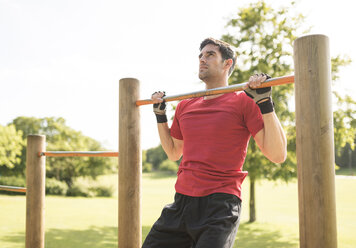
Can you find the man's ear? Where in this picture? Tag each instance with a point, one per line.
(228, 63)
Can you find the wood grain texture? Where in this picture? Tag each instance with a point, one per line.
(35, 195)
(130, 232)
(315, 142)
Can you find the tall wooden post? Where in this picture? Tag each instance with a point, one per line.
(315, 142)
(130, 233)
(35, 193)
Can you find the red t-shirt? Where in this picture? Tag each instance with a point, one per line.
(215, 134)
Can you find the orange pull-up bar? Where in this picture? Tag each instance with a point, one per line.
(12, 188)
(78, 154)
(221, 90)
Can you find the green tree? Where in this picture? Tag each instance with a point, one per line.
(146, 167)
(11, 144)
(344, 116)
(346, 159)
(169, 166)
(60, 137)
(155, 156)
(263, 37)
(344, 124)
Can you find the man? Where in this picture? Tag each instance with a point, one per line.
(212, 134)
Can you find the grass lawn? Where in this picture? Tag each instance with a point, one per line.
(92, 222)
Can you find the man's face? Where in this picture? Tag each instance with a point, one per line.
(211, 64)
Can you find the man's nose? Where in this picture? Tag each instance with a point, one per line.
(202, 60)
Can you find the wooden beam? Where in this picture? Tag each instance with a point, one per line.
(130, 232)
(35, 195)
(315, 142)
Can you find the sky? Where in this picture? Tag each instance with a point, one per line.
(65, 58)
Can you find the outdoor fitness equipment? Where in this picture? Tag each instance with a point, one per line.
(315, 153)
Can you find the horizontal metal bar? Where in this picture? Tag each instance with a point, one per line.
(221, 90)
(79, 154)
(12, 188)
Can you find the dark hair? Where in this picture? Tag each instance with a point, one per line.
(226, 50)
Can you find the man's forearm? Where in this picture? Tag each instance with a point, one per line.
(274, 140)
(172, 147)
(167, 142)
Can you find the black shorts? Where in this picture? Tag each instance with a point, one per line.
(197, 222)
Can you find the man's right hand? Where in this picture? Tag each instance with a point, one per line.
(159, 106)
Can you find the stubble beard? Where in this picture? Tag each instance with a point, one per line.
(203, 75)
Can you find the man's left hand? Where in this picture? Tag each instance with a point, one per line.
(262, 96)
(258, 95)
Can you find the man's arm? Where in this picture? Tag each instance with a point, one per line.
(271, 139)
(173, 147)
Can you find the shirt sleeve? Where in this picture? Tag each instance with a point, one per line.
(175, 128)
(252, 116)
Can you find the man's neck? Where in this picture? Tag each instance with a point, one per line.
(213, 85)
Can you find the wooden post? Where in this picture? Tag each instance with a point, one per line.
(315, 142)
(130, 233)
(35, 195)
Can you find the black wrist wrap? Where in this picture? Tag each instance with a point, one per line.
(266, 107)
(161, 118)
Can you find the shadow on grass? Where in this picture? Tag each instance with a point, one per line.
(249, 236)
(98, 237)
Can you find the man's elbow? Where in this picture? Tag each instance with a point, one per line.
(174, 157)
(279, 158)
(174, 154)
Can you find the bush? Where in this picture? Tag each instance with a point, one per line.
(102, 190)
(55, 187)
(146, 167)
(12, 181)
(86, 189)
(79, 189)
(168, 165)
